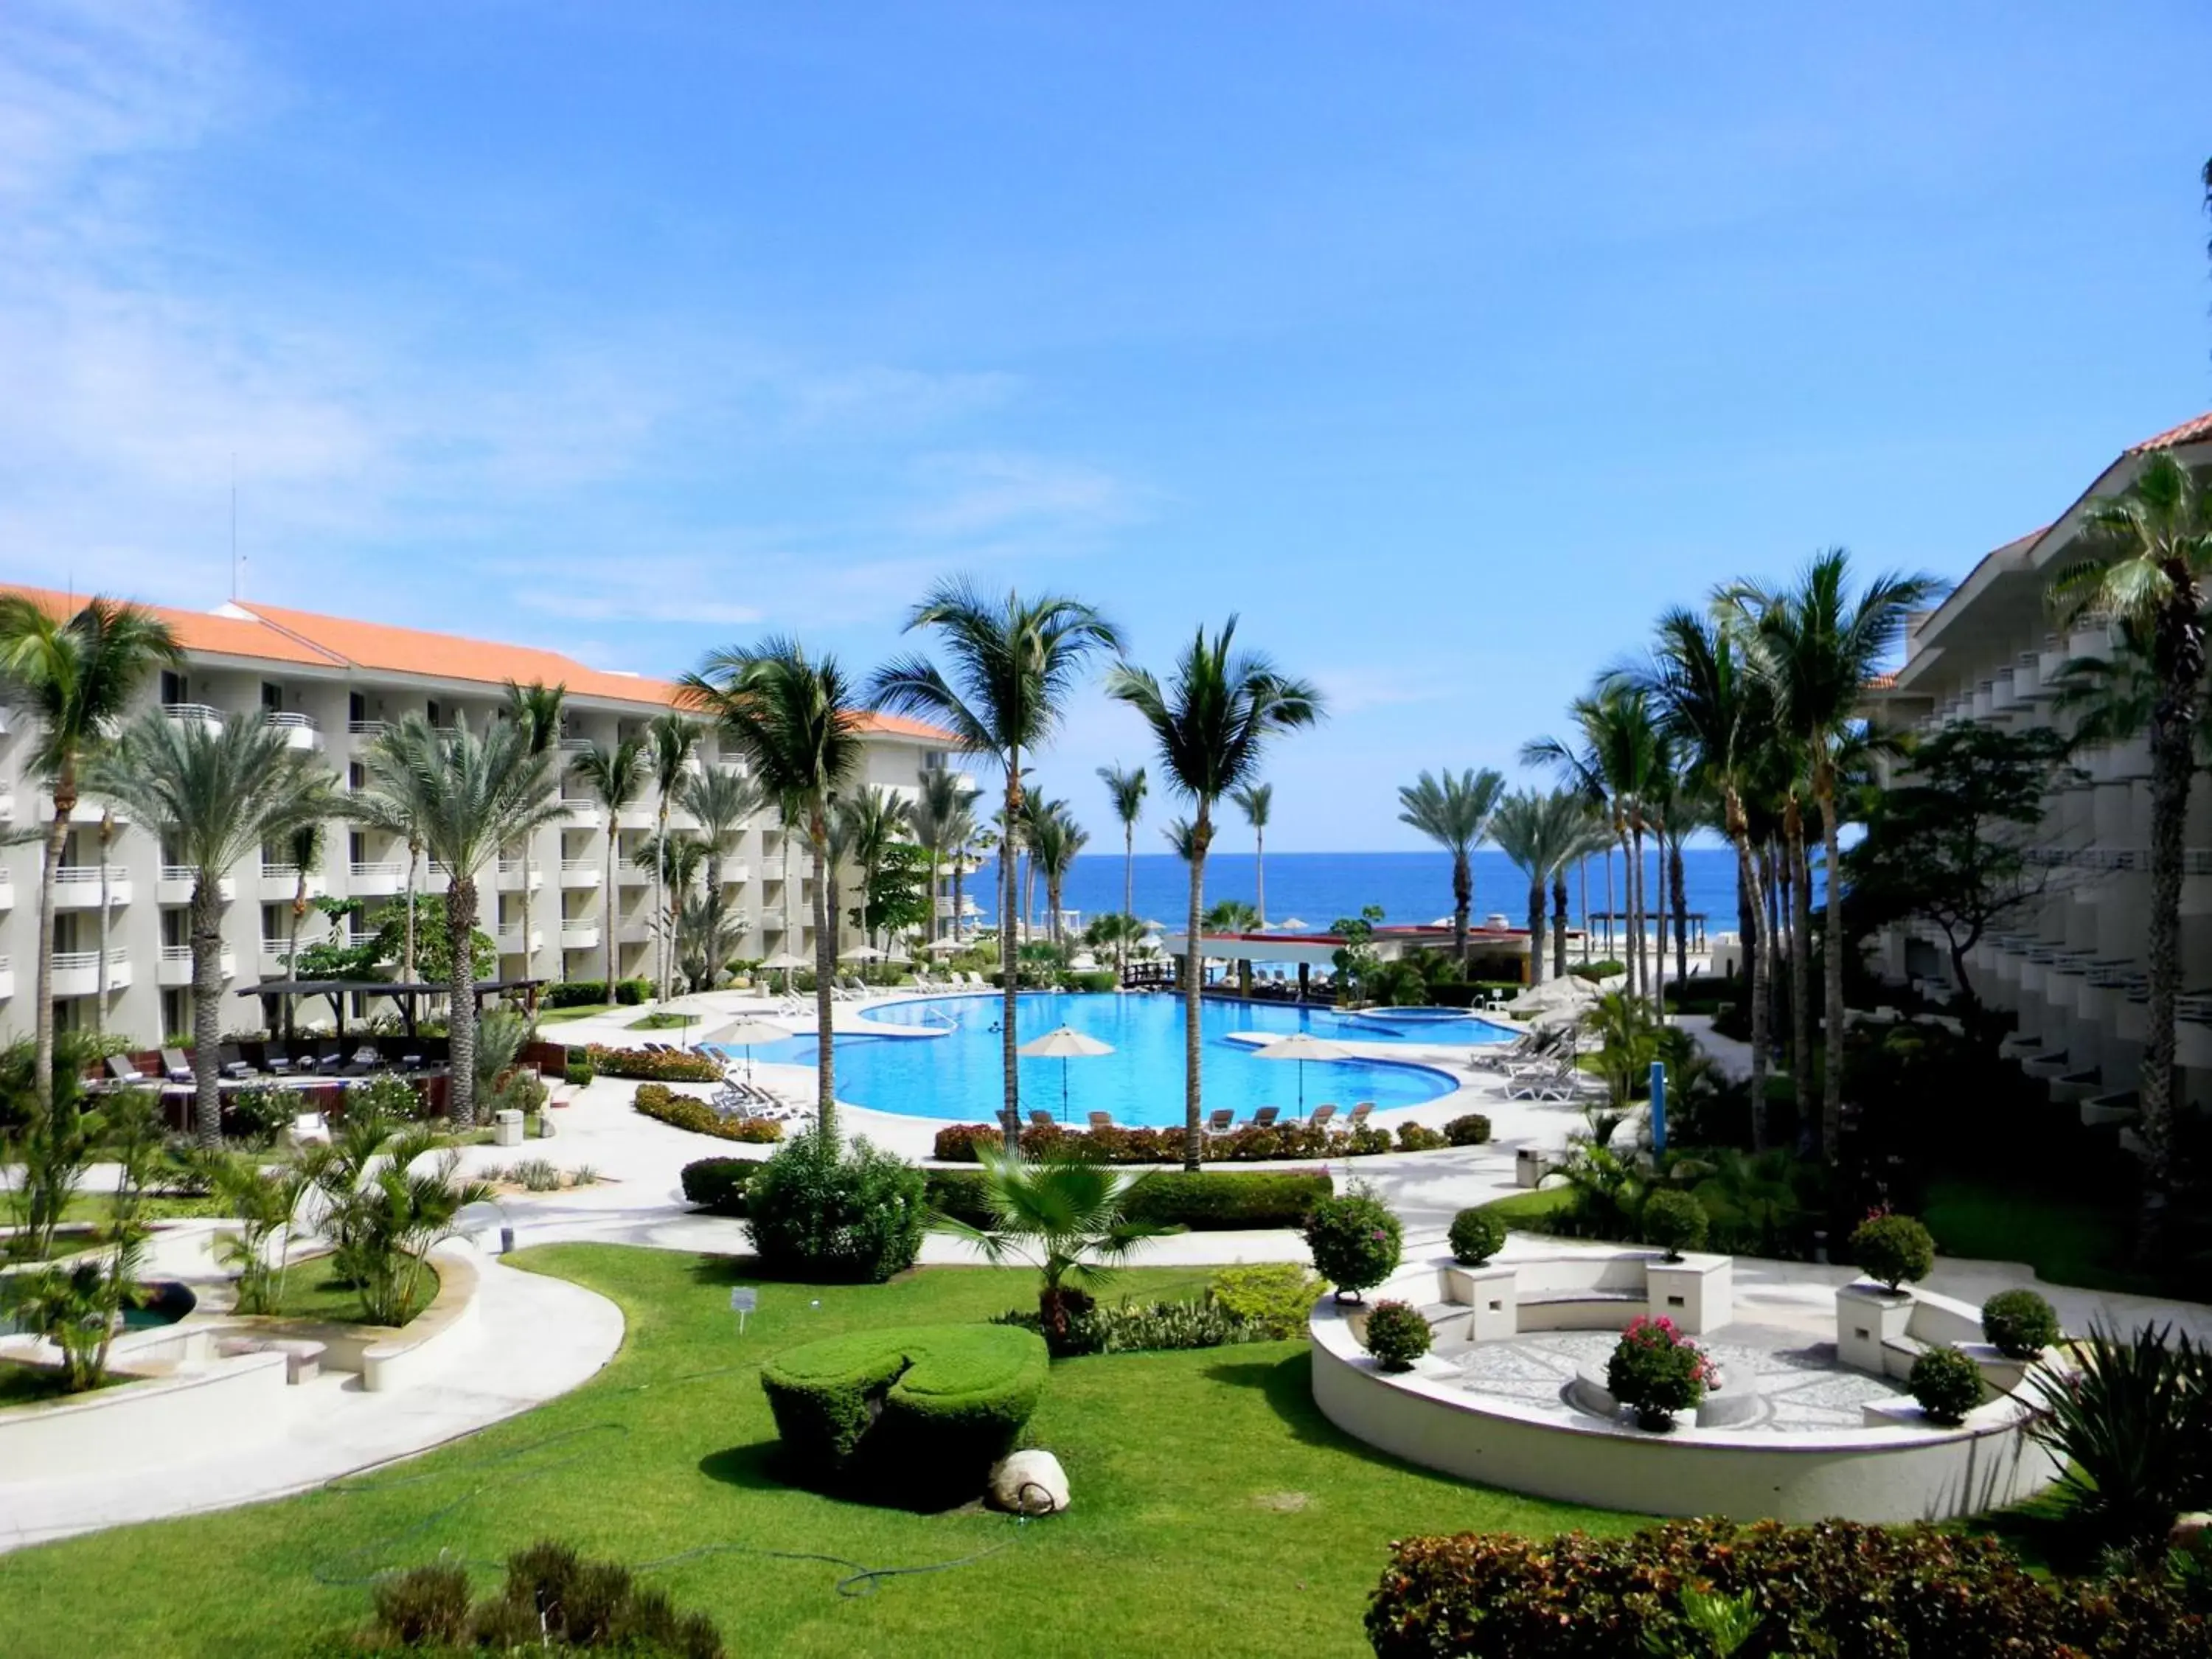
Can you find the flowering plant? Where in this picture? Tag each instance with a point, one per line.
(1655, 1371)
(1355, 1241)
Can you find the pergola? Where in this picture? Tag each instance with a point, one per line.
(406, 994)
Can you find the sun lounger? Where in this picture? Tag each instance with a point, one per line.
(1322, 1115)
(1360, 1113)
(1222, 1122)
(1101, 1121)
(176, 1068)
(1041, 1121)
(1266, 1116)
(120, 1070)
(232, 1062)
(363, 1061)
(328, 1057)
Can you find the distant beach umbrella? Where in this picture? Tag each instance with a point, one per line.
(1302, 1047)
(1063, 1044)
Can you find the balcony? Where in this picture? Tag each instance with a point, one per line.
(7, 802)
(300, 730)
(512, 943)
(368, 728)
(280, 883)
(736, 872)
(176, 882)
(175, 968)
(583, 808)
(193, 713)
(76, 887)
(642, 815)
(7, 978)
(580, 935)
(273, 965)
(76, 973)
(581, 872)
(376, 879)
(7, 890)
(510, 874)
(631, 873)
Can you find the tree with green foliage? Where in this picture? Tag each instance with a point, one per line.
(1355, 959)
(896, 898)
(1125, 788)
(1213, 722)
(1257, 801)
(540, 710)
(615, 773)
(671, 742)
(1542, 834)
(940, 818)
(76, 677)
(1455, 812)
(874, 820)
(1055, 839)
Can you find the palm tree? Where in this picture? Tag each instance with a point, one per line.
(1125, 786)
(1212, 722)
(470, 796)
(1455, 812)
(1817, 648)
(214, 795)
(109, 830)
(723, 802)
(1716, 709)
(680, 856)
(1057, 838)
(1542, 834)
(387, 802)
(1036, 810)
(1256, 801)
(616, 773)
(795, 722)
(872, 820)
(538, 710)
(1014, 663)
(1613, 765)
(705, 939)
(2156, 547)
(669, 741)
(76, 678)
(939, 816)
(303, 850)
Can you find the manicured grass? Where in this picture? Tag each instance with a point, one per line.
(562, 1016)
(2068, 1239)
(310, 1293)
(660, 1020)
(21, 1385)
(1518, 1209)
(1215, 1511)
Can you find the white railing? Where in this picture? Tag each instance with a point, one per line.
(387, 867)
(279, 872)
(89, 874)
(580, 866)
(291, 719)
(368, 728)
(88, 961)
(192, 711)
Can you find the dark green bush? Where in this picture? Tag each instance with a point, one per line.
(553, 1602)
(1674, 1220)
(1892, 1249)
(718, 1183)
(628, 993)
(916, 1416)
(1208, 1200)
(1836, 1588)
(1133, 1327)
(1355, 1242)
(1476, 1235)
(577, 1073)
(1091, 980)
(2019, 1323)
(1946, 1384)
(1397, 1336)
(576, 993)
(661, 1104)
(1275, 1298)
(818, 1211)
(653, 1065)
(424, 1605)
(1471, 1130)
(1415, 1138)
(1655, 1371)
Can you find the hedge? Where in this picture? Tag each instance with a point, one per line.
(656, 1101)
(916, 1416)
(1205, 1201)
(628, 993)
(1836, 1588)
(956, 1143)
(653, 1065)
(576, 993)
(718, 1184)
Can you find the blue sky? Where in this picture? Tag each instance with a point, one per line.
(1445, 343)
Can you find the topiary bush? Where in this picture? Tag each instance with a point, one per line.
(1892, 1249)
(578, 1072)
(1656, 1372)
(1476, 1235)
(718, 1183)
(1275, 1299)
(1355, 1241)
(653, 1065)
(915, 1416)
(1397, 1336)
(1946, 1384)
(819, 1211)
(576, 993)
(661, 1104)
(1674, 1220)
(1471, 1130)
(2019, 1324)
(630, 993)
(1413, 1138)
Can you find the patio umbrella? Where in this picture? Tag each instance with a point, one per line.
(1063, 1045)
(862, 953)
(1292, 926)
(1302, 1048)
(785, 960)
(747, 1032)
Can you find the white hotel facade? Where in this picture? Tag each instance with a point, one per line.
(2073, 966)
(333, 684)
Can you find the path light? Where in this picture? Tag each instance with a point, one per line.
(1063, 1045)
(1302, 1048)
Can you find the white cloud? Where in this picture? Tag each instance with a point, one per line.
(992, 491)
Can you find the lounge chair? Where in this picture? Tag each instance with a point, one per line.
(176, 1068)
(1221, 1121)
(120, 1070)
(1266, 1116)
(1040, 1120)
(1101, 1121)
(231, 1063)
(328, 1058)
(1322, 1114)
(1360, 1113)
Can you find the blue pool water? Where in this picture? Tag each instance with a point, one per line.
(956, 1074)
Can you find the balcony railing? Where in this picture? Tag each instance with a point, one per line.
(387, 868)
(368, 728)
(291, 719)
(88, 961)
(89, 874)
(193, 711)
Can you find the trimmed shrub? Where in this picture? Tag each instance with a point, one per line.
(956, 1143)
(576, 993)
(1892, 1249)
(1674, 1220)
(576, 1073)
(1274, 1299)
(1413, 1138)
(653, 1065)
(916, 1415)
(816, 1210)
(628, 993)
(661, 1104)
(1837, 1589)
(1397, 1336)
(1473, 1130)
(1656, 1372)
(2019, 1324)
(718, 1183)
(1207, 1200)
(1136, 1328)
(1476, 1235)
(1091, 980)
(1355, 1242)
(553, 1601)
(1946, 1384)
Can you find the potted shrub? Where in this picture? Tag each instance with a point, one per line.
(2018, 1324)
(1397, 1334)
(1674, 1220)
(1657, 1371)
(1355, 1241)
(1946, 1384)
(1476, 1235)
(1891, 1249)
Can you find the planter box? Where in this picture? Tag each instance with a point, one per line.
(1870, 1321)
(1697, 1292)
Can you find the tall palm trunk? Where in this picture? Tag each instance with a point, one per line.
(49, 878)
(2173, 767)
(1009, 954)
(100, 1001)
(1754, 912)
(1800, 962)
(1535, 928)
(825, 969)
(292, 938)
(1641, 979)
(607, 905)
(1609, 906)
(1560, 922)
(1128, 897)
(1194, 963)
(1260, 872)
(1657, 916)
(1462, 903)
(407, 946)
(206, 923)
(660, 903)
(461, 1014)
(1832, 971)
(1675, 869)
(959, 861)
(1582, 874)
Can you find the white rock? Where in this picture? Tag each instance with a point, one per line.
(2193, 1533)
(1030, 1483)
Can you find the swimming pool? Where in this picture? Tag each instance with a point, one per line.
(956, 1075)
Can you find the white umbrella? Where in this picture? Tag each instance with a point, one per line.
(785, 960)
(947, 947)
(1302, 1048)
(862, 953)
(1063, 1044)
(747, 1032)
(1292, 926)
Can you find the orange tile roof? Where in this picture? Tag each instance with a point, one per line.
(2189, 432)
(199, 630)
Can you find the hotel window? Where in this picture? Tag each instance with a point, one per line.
(175, 688)
(272, 696)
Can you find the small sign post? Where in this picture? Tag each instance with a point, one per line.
(743, 1302)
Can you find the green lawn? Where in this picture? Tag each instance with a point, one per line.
(562, 1016)
(311, 1292)
(662, 1020)
(1215, 1511)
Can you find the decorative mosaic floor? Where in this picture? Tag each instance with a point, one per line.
(1805, 1389)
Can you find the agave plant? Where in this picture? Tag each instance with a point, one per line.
(2131, 1420)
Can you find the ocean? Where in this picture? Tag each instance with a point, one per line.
(1317, 888)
